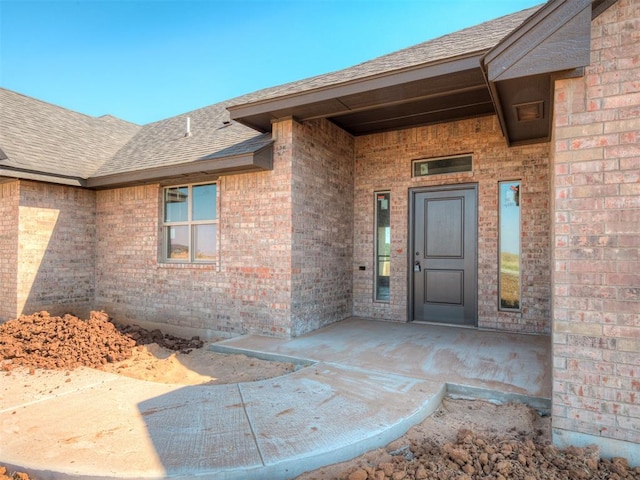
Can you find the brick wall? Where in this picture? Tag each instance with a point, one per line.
(256, 226)
(9, 202)
(248, 290)
(597, 239)
(56, 249)
(322, 244)
(383, 162)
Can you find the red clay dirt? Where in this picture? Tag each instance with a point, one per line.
(64, 343)
(474, 457)
(478, 440)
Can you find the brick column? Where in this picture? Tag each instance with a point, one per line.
(596, 369)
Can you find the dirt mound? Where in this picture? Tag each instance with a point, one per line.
(475, 456)
(48, 342)
(146, 337)
(473, 440)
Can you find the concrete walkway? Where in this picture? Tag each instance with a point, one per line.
(365, 383)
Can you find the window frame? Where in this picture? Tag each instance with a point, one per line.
(190, 224)
(377, 296)
(502, 241)
(452, 170)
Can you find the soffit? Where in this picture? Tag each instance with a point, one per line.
(437, 81)
(429, 94)
(553, 43)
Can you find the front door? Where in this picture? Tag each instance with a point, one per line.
(444, 264)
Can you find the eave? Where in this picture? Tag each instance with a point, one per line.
(18, 173)
(426, 94)
(521, 69)
(518, 72)
(205, 168)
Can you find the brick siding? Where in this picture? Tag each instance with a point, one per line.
(255, 254)
(383, 162)
(284, 265)
(56, 249)
(322, 245)
(596, 341)
(9, 205)
(248, 290)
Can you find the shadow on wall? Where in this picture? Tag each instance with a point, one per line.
(56, 249)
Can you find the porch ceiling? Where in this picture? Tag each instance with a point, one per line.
(430, 94)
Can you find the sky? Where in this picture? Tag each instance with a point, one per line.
(146, 60)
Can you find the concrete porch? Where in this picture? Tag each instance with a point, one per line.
(365, 383)
(478, 363)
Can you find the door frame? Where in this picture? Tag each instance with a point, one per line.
(411, 242)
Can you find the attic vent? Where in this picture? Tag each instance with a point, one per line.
(527, 112)
(188, 132)
(225, 124)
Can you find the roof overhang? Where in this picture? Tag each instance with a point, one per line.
(513, 80)
(553, 43)
(204, 168)
(18, 173)
(425, 94)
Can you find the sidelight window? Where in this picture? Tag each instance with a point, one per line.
(190, 223)
(383, 246)
(509, 261)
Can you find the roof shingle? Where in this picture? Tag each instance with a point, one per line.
(164, 143)
(473, 40)
(37, 136)
(42, 137)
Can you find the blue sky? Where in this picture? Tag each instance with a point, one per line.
(146, 60)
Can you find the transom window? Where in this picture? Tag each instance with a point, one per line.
(190, 223)
(438, 166)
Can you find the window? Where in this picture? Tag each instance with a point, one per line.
(438, 166)
(509, 245)
(383, 246)
(190, 223)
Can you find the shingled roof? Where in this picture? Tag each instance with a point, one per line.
(40, 137)
(37, 137)
(477, 39)
(42, 141)
(454, 77)
(214, 134)
(164, 143)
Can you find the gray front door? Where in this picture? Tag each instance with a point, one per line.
(444, 264)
